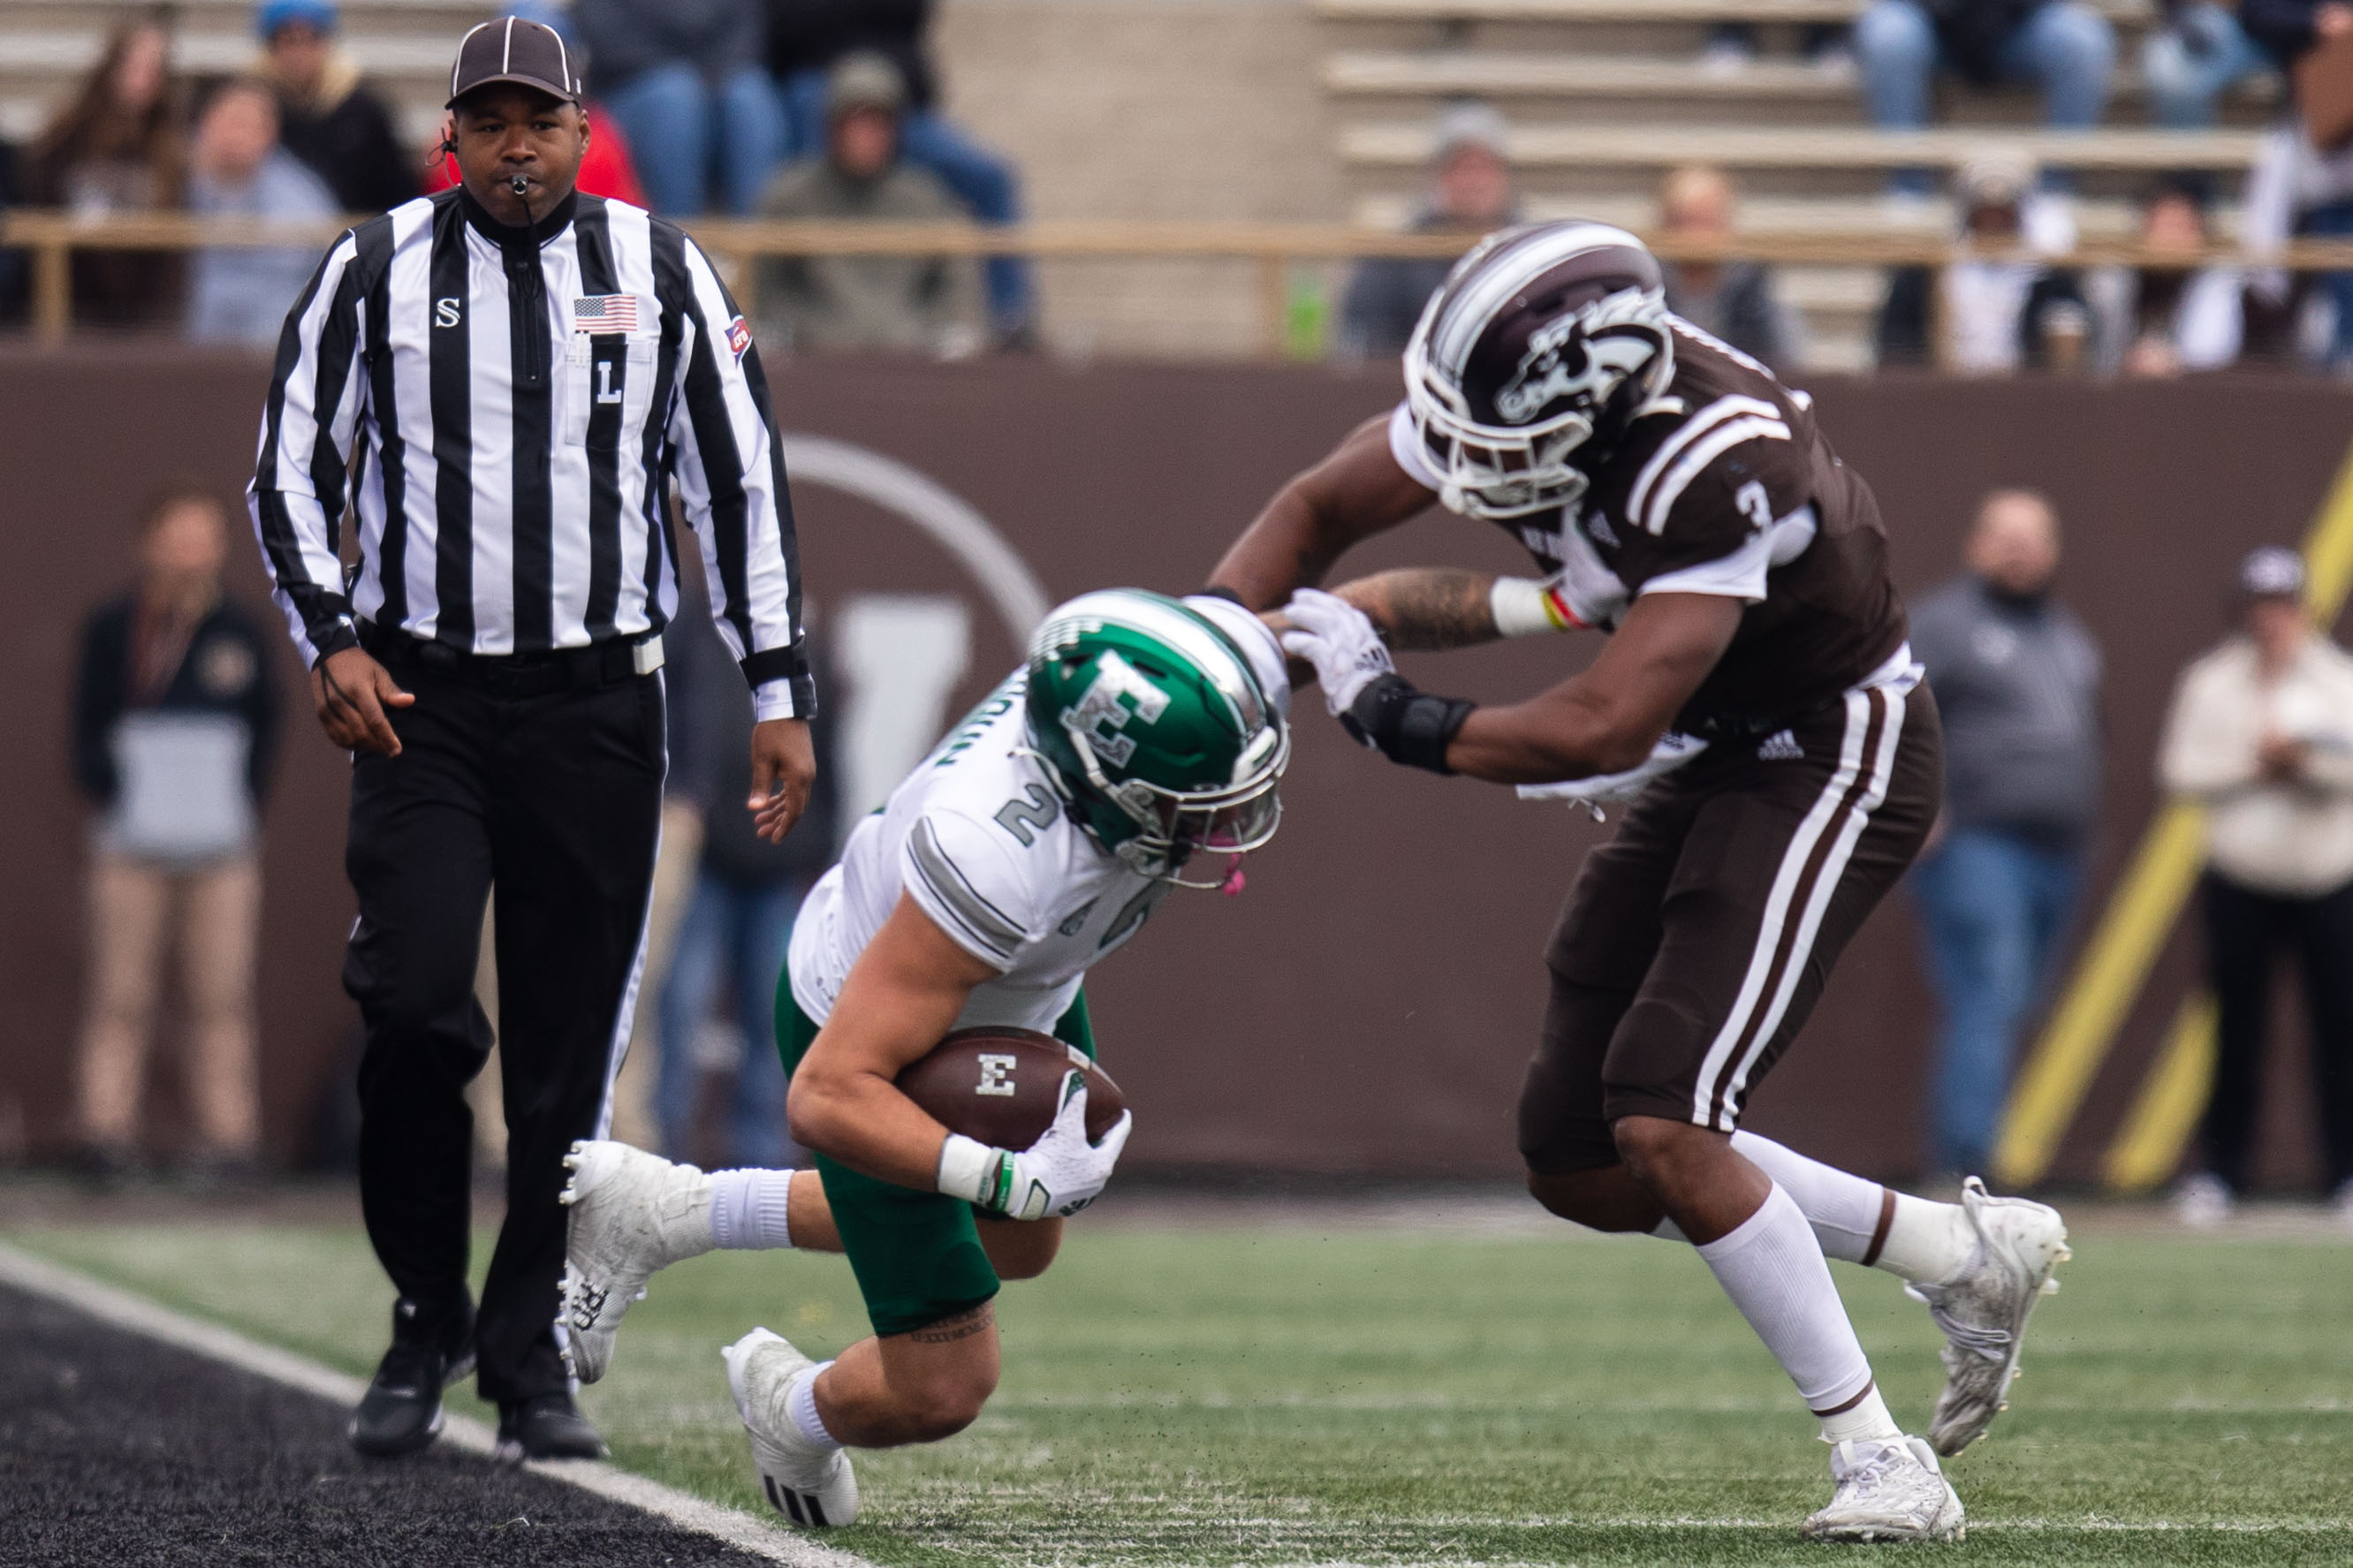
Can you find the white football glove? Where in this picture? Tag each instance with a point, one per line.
(1059, 1174)
(1340, 640)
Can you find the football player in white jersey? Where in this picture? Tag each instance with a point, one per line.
(1140, 732)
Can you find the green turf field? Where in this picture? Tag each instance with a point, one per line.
(1295, 1393)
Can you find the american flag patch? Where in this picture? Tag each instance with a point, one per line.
(605, 313)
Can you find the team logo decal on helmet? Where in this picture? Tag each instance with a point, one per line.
(1583, 355)
(1101, 716)
(1545, 340)
(1155, 730)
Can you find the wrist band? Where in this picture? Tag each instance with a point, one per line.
(1528, 606)
(974, 1172)
(1404, 725)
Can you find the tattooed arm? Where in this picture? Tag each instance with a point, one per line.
(1427, 608)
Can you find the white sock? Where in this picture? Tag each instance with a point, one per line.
(1773, 1270)
(1927, 1241)
(1866, 1420)
(800, 1404)
(1857, 1221)
(747, 1209)
(1845, 1210)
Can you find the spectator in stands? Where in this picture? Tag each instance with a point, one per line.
(739, 919)
(607, 169)
(2000, 307)
(240, 293)
(807, 37)
(2295, 188)
(2066, 46)
(2197, 54)
(2017, 679)
(927, 304)
(1732, 299)
(175, 723)
(116, 147)
(2169, 317)
(327, 116)
(1470, 194)
(2262, 735)
(705, 122)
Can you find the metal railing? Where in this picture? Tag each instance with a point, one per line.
(51, 237)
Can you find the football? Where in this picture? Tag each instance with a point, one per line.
(1002, 1086)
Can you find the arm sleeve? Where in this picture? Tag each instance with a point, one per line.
(731, 480)
(98, 702)
(1718, 505)
(2197, 757)
(308, 427)
(971, 886)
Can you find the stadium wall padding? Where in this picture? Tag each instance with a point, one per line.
(1367, 1005)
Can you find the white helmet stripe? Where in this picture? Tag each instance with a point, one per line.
(1505, 273)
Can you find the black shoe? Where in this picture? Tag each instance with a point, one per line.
(546, 1427)
(401, 1411)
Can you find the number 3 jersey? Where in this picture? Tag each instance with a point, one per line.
(978, 839)
(1724, 485)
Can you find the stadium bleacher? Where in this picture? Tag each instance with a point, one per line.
(1603, 96)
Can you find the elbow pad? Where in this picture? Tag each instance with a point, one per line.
(1406, 725)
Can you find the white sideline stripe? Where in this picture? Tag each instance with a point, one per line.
(123, 1309)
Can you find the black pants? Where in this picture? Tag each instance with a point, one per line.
(555, 798)
(2245, 933)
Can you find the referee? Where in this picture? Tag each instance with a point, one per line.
(501, 381)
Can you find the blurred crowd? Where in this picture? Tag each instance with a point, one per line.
(815, 109)
(2007, 304)
(830, 110)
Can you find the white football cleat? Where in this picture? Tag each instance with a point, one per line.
(809, 1483)
(1983, 1308)
(633, 1213)
(1888, 1490)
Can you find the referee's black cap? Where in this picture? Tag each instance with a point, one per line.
(511, 49)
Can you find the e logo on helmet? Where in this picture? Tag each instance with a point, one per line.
(1099, 716)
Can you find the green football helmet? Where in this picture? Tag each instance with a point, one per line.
(1156, 728)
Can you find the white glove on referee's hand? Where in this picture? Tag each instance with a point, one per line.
(1059, 1174)
(1340, 640)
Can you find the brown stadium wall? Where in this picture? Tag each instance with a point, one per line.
(1366, 1006)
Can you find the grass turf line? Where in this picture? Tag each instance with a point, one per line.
(1279, 1394)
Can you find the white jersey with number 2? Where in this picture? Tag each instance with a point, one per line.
(976, 836)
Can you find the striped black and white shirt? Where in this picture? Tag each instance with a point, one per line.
(505, 409)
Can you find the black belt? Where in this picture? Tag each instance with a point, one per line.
(606, 663)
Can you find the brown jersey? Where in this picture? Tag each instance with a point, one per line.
(1725, 485)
